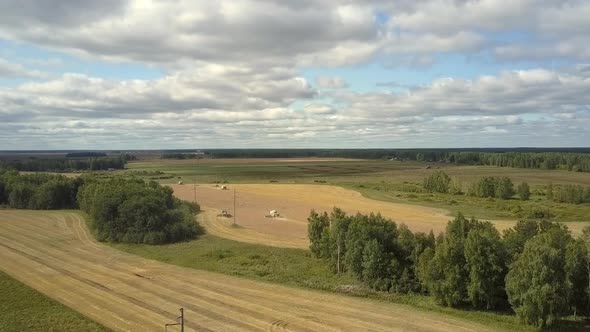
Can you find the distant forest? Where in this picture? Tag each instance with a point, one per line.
(572, 159)
(66, 164)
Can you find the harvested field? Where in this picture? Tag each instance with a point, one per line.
(294, 202)
(54, 253)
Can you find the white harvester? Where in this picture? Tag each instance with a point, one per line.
(180, 182)
(223, 188)
(273, 214)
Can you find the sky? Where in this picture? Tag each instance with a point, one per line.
(178, 74)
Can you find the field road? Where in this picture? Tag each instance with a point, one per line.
(54, 253)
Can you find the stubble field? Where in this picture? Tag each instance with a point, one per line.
(54, 253)
(294, 202)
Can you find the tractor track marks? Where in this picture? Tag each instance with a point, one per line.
(55, 253)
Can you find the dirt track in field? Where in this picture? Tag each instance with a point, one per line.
(54, 253)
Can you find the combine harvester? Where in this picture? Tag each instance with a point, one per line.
(272, 214)
(224, 214)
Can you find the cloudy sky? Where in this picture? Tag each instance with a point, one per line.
(116, 74)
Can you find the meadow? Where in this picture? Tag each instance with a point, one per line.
(25, 309)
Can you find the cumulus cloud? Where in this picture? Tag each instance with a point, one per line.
(232, 73)
(15, 70)
(510, 93)
(166, 31)
(203, 108)
(326, 32)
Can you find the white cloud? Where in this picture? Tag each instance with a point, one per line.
(217, 106)
(15, 70)
(232, 73)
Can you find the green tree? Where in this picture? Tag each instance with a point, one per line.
(486, 187)
(524, 191)
(425, 273)
(585, 238)
(315, 231)
(576, 266)
(20, 195)
(375, 267)
(537, 284)
(486, 259)
(504, 188)
(449, 274)
(516, 237)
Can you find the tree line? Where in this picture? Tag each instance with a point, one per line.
(66, 164)
(573, 159)
(120, 210)
(537, 268)
(38, 191)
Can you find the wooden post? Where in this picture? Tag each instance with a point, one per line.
(234, 205)
(181, 320)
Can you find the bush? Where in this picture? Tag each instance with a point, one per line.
(524, 191)
(438, 181)
(573, 194)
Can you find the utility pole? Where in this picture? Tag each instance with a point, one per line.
(234, 205)
(179, 321)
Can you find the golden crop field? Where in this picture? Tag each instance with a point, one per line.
(54, 253)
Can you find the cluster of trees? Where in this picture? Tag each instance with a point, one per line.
(573, 194)
(121, 210)
(499, 187)
(370, 247)
(536, 268)
(65, 165)
(37, 191)
(133, 211)
(488, 186)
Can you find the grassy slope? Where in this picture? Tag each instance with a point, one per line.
(24, 309)
(290, 267)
